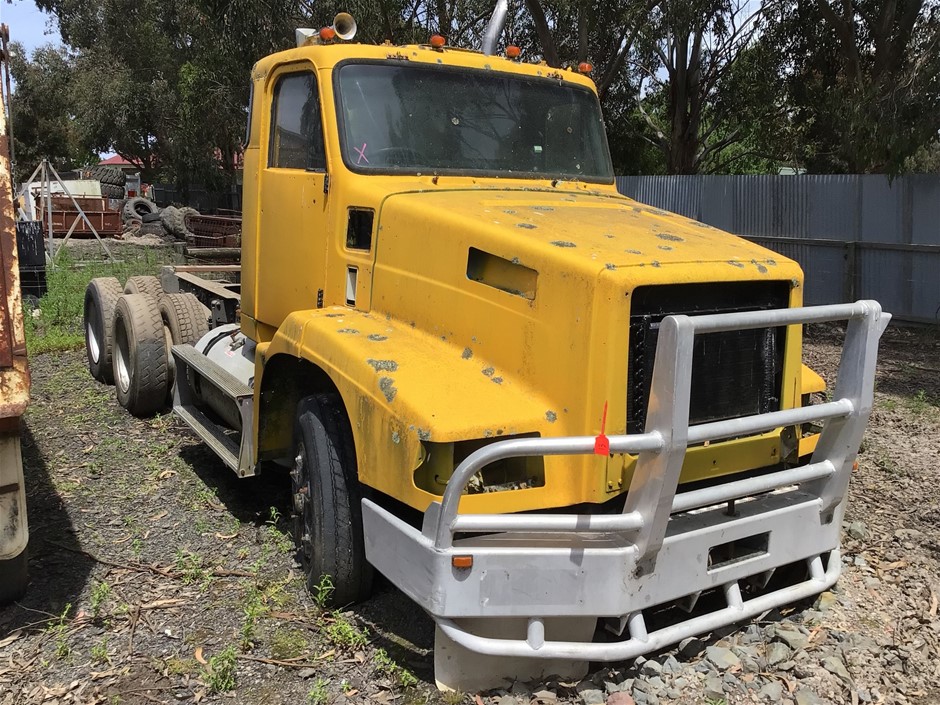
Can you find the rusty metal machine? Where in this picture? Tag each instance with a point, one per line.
(14, 384)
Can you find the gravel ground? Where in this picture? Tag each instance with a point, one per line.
(158, 576)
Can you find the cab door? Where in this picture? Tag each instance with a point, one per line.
(294, 209)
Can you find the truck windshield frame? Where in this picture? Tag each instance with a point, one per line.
(423, 119)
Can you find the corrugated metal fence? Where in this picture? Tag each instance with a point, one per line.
(855, 236)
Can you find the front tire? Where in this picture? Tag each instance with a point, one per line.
(328, 515)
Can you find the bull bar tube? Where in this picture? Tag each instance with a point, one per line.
(658, 550)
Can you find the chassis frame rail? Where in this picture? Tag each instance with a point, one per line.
(539, 567)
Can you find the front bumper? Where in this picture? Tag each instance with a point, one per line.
(668, 547)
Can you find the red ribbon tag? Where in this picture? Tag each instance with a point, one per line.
(601, 442)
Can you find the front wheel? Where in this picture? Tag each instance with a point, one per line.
(327, 513)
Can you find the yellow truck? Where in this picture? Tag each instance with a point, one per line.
(539, 408)
(14, 381)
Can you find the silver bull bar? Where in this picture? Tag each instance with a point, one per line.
(535, 568)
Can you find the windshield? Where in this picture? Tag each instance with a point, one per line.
(437, 121)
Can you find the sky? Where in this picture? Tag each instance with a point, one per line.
(28, 24)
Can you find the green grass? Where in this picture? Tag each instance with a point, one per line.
(58, 325)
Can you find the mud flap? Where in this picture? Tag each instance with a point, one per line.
(460, 669)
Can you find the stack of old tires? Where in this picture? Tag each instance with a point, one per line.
(128, 334)
(112, 180)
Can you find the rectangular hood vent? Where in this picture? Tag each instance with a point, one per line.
(501, 273)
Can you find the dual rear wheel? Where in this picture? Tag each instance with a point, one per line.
(128, 334)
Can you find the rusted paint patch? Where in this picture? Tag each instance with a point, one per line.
(498, 380)
(670, 237)
(509, 212)
(396, 437)
(739, 265)
(551, 416)
(334, 315)
(349, 331)
(387, 385)
(563, 243)
(466, 354)
(666, 248)
(424, 434)
(546, 209)
(610, 266)
(655, 263)
(771, 262)
(489, 371)
(760, 268)
(376, 338)
(527, 226)
(383, 365)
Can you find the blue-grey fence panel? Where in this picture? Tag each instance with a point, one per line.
(855, 236)
(824, 266)
(832, 205)
(882, 209)
(925, 209)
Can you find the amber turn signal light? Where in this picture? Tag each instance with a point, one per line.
(462, 562)
(585, 67)
(327, 34)
(512, 51)
(437, 41)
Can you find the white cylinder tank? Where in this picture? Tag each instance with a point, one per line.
(228, 347)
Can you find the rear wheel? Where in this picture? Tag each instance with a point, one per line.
(185, 316)
(144, 285)
(101, 296)
(140, 355)
(327, 513)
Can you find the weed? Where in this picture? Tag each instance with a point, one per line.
(190, 567)
(287, 643)
(219, 674)
(344, 634)
(453, 697)
(920, 404)
(323, 591)
(59, 629)
(99, 652)
(179, 666)
(253, 609)
(137, 548)
(318, 694)
(99, 596)
(406, 679)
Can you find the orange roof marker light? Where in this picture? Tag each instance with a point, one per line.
(437, 41)
(327, 34)
(585, 67)
(513, 52)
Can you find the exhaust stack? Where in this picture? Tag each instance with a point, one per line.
(495, 27)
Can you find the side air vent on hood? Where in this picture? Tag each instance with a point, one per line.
(501, 273)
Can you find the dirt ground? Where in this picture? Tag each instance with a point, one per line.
(158, 576)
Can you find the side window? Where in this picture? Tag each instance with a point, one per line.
(296, 129)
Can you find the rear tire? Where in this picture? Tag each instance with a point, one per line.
(328, 515)
(14, 577)
(185, 316)
(144, 285)
(101, 296)
(140, 355)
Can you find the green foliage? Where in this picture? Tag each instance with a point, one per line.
(406, 679)
(318, 694)
(99, 595)
(344, 634)
(99, 652)
(322, 591)
(220, 673)
(60, 633)
(43, 116)
(58, 325)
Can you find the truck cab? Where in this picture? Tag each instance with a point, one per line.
(535, 405)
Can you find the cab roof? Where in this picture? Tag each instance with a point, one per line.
(327, 56)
